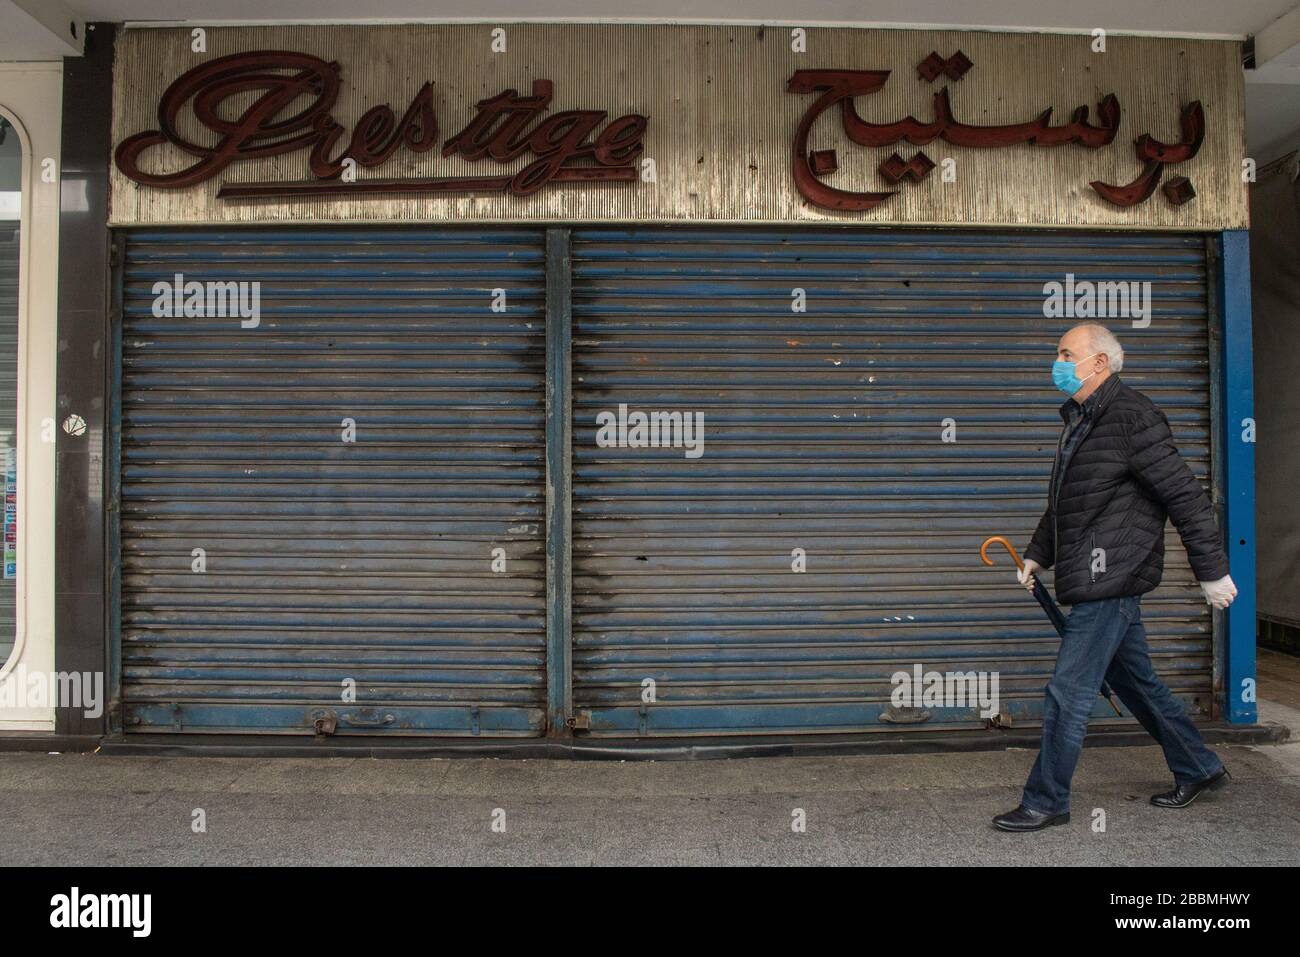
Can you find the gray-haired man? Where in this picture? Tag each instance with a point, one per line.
(1116, 478)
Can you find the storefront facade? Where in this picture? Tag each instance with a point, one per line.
(640, 382)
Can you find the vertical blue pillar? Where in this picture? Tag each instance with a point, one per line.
(1239, 475)
(559, 502)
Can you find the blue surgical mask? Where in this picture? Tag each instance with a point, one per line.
(1063, 375)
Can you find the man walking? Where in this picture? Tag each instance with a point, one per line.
(1116, 478)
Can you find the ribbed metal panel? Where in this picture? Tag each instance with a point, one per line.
(326, 560)
(823, 431)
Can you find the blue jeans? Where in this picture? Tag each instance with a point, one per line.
(1106, 638)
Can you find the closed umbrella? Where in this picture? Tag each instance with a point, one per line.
(1049, 605)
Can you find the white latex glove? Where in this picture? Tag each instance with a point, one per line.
(1026, 574)
(1219, 594)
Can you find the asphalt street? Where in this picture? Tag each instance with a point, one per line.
(927, 809)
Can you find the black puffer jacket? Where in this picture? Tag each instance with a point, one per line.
(1113, 494)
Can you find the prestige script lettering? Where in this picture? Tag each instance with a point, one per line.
(506, 127)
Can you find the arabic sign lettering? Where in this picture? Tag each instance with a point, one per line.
(842, 87)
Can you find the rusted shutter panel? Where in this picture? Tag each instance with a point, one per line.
(824, 432)
(329, 561)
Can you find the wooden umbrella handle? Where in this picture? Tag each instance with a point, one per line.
(1001, 540)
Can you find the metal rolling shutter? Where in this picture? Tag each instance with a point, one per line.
(823, 432)
(328, 561)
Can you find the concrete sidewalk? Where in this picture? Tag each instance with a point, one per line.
(929, 809)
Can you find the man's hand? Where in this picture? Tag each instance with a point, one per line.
(1219, 594)
(1026, 574)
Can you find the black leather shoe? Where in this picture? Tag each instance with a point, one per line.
(1024, 819)
(1185, 794)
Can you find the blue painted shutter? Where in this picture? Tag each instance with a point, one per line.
(823, 431)
(329, 561)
